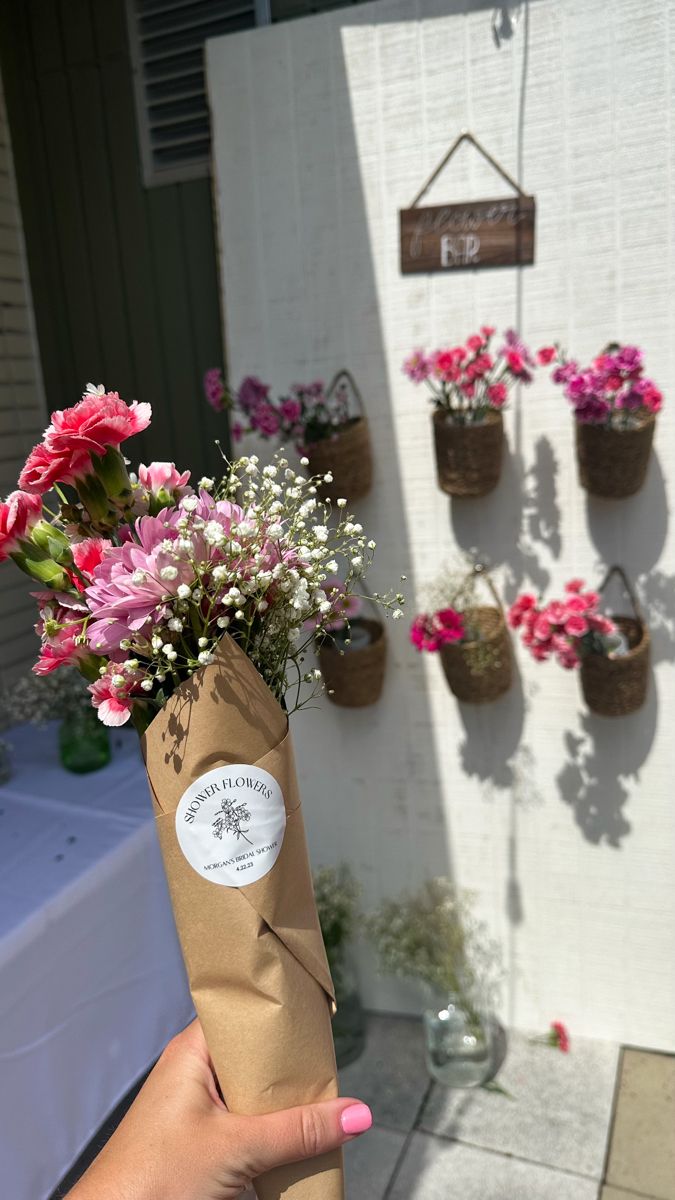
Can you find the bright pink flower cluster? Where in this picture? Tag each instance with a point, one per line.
(611, 391)
(565, 629)
(468, 380)
(306, 415)
(99, 422)
(431, 631)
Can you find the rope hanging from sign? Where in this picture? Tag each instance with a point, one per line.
(483, 233)
(466, 136)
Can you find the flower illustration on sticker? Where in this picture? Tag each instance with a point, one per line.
(230, 820)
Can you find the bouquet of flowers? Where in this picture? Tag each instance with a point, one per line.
(566, 629)
(613, 391)
(307, 414)
(186, 609)
(467, 381)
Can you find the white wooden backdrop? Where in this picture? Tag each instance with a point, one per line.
(562, 823)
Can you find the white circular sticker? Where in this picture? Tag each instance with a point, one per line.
(230, 824)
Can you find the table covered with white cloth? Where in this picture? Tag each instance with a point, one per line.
(92, 984)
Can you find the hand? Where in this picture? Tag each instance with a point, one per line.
(179, 1142)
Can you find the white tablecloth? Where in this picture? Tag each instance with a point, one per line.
(92, 984)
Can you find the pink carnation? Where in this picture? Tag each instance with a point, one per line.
(59, 626)
(576, 626)
(546, 355)
(163, 477)
(113, 695)
(99, 420)
(44, 468)
(496, 394)
(449, 625)
(18, 514)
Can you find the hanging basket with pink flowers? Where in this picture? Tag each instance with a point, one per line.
(469, 388)
(612, 653)
(471, 639)
(352, 650)
(615, 409)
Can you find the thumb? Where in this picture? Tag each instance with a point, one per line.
(297, 1133)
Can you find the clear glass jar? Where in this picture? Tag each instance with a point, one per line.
(84, 742)
(349, 1022)
(460, 1043)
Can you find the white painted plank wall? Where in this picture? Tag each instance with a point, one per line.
(22, 405)
(563, 824)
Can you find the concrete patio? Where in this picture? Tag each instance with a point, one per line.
(596, 1123)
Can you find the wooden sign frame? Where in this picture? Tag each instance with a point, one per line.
(482, 233)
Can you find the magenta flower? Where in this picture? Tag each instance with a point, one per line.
(59, 627)
(417, 366)
(214, 388)
(251, 391)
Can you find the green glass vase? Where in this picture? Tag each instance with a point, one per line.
(84, 743)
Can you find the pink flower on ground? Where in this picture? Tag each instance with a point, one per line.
(546, 355)
(164, 477)
(101, 419)
(559, 1036)
(18, 514)
(417, 366)
(113, 695)
(43, 468)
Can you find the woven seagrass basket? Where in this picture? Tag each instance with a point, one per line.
(354, 677)
(468, 457)
(347, 454)
(617, 687)
(613, 462)
(480, 671)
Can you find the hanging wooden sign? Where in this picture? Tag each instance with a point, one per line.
(482, 233)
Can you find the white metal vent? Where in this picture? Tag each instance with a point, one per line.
(167, 53)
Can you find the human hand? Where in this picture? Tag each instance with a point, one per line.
(179, 1142)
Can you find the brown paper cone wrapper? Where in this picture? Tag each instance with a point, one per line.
(254, 955)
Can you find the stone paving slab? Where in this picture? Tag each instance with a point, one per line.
(391, 1074)
(642, 1151)
(434, 1169)
(370, 1162)
(559, 1115)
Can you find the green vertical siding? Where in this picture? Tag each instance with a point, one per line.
(124, 278)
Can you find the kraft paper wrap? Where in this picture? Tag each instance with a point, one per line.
(254, 955)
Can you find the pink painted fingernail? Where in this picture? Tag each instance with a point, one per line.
(356, 1119)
